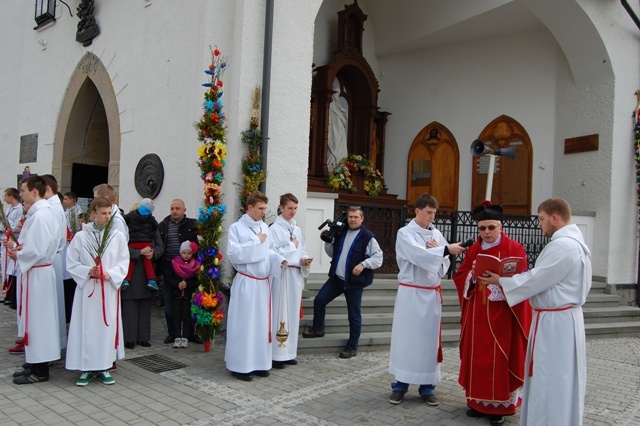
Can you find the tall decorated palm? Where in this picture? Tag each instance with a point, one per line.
(252, 171)
(206, 305)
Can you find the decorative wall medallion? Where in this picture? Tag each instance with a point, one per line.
(149, 176)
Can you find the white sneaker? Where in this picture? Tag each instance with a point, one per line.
(185, 343)
(177, 343)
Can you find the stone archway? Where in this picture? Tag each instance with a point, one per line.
(88, 127)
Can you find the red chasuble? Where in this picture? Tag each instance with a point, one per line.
(493, 338)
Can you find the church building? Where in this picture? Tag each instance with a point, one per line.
(108, 91)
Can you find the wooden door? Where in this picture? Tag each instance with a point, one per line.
(511, 187)
(433, 166)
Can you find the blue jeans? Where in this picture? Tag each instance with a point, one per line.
(423, 390)
(333, 288)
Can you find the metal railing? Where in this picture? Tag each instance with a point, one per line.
(384, 222)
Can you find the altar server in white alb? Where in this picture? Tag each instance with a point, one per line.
(249, 335)
(51, 195)
(38, 310)
(556, 365)
(95, 330)
(422, 254)
(286, 239)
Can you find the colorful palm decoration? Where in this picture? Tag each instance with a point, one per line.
(206, 307)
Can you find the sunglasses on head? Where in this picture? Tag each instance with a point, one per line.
(484, 228)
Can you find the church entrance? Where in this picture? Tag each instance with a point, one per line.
(87, 143)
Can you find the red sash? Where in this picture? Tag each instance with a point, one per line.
(26, 312)
(269, 283)
(535, 331)
(104, 309)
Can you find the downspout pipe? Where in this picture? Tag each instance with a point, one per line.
(631, 13)
(266, 86)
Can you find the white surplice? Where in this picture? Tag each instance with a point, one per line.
(280, 235)
(59, 265)
(554, 393)
(14, 215)
(91, 345)
(248, 346)
(39, 310)
(415, 333)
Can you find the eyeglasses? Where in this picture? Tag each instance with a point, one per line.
(490, 228)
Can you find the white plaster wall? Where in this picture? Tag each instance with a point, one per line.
(465, 86)
(604, 181)
(288, 152)
(12, 52)
(156, 66)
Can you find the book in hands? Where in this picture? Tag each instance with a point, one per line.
(504, 267)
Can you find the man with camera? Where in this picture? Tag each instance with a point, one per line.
(355, 254)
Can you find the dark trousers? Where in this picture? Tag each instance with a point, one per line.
(41, 369)
(69, 292)
(333, 288)
(182, 317)
(169, 301)
(136, 320)
(11, 293)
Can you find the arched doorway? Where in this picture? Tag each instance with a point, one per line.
(433, 166)
(87, 139)
(512, 179)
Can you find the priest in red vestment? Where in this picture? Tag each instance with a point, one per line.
(493, 336)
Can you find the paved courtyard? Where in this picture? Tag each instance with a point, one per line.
(321, 390)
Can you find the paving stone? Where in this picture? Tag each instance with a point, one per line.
(322, 390)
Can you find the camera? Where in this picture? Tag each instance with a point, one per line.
(336, 228)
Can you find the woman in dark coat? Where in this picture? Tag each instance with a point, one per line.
(138, 297)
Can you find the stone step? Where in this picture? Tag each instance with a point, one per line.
(620, 313)
(378, 304)
(369, 341)
(379, 322)
(604, 315)
(372, 322)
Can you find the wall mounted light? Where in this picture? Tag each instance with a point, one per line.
(45, 11)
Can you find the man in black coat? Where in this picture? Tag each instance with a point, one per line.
(174, 230)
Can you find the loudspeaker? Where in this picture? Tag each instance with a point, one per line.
(478, 148)
(506, 152)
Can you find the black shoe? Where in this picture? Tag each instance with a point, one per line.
(29, 379)
(311, 333)
(195, 339)
(348, 353)
(261, 373)
(474, 413)
(130, 345)
(396, 397)
(496, 420)
(170, 338)
(431, 400)
(292, 362)
(24, 372)
(245, 377)
(278, 364)
(26, 365)
(145, 344)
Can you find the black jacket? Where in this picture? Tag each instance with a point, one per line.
(141, 228)
(187, 230)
